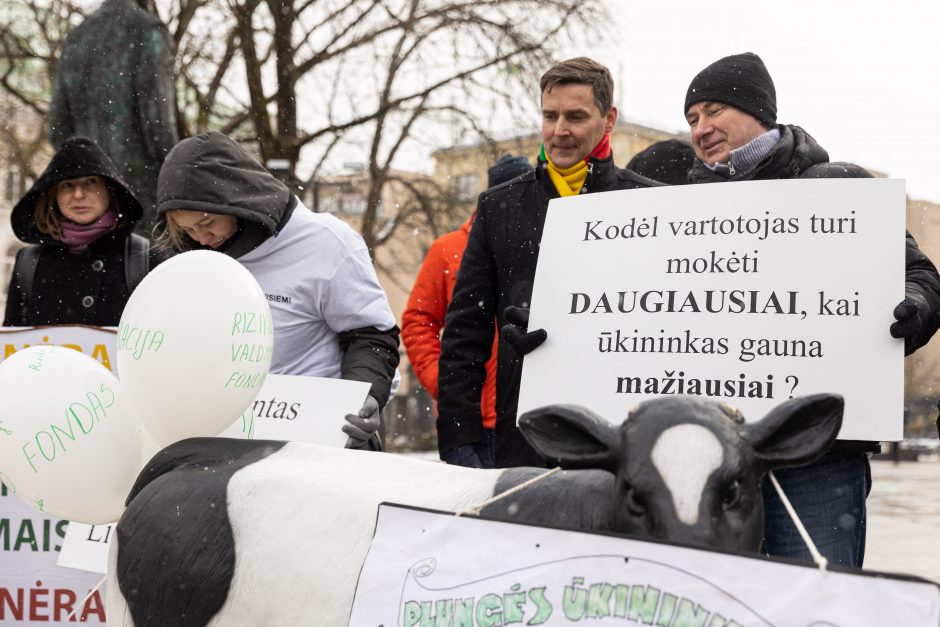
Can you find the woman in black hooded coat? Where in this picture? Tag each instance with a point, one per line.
(82, 262)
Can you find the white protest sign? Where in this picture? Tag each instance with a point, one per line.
(749, 293)
(33, 589)
(99, 343)
(302, 409)
(85, 547)
(430, 568)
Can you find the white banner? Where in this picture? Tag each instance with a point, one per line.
(99, 343)
(430, 568)
(749, 293)
(33, 590)
(302, 409)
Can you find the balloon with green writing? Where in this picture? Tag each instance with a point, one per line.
(194, 345)
(69, 442)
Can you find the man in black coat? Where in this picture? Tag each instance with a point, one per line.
(498, 265)
(731, 108)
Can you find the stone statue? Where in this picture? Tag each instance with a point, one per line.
(114, 83)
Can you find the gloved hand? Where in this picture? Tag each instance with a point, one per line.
(516, 333)
(361, 427)
(912, 315)
(469, 456)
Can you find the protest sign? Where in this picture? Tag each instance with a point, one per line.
(749, 293)
(99, 343)
(85, 547)
(428, 568)
(302, 409)
(33, 590)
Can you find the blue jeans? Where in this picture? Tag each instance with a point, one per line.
(829, 497)
(490, 435)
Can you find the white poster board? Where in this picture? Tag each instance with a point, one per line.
(302, 409)
(33, 589)
(430, 568)
(748, 293)
(99, 343)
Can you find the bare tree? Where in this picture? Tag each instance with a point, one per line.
(381, 82)
(30, 36)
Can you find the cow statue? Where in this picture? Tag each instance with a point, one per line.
(241, 532)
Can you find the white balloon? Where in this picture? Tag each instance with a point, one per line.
(69, 441)
(194, 345)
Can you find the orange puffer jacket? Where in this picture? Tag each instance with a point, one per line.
(423, 319)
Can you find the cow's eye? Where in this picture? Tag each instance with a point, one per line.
(732, 494)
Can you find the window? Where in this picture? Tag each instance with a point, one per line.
(13, 183)
(466, 187)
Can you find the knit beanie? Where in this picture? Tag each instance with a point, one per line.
(667, 161)
(507, 168)
(741, 81)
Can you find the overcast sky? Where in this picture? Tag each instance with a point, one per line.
(861, 77)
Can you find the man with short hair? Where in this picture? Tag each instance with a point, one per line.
(731, 108)
(498, 266)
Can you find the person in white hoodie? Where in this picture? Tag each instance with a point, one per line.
(331, 316)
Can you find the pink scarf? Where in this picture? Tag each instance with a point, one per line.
(77, 237)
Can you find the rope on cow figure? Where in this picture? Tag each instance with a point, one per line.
(818, 557)
(474, 511)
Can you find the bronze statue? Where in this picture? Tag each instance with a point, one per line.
(114, 83)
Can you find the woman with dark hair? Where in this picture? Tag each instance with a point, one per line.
(82, 261)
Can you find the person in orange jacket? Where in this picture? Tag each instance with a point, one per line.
(423, 318)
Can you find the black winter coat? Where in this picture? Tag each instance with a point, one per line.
(74, 289)
(498, 270)
(798, 155)
(87, 288)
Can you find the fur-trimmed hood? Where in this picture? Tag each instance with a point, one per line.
(78, 157)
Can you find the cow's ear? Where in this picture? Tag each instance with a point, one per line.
(797, 431)
(571, 436)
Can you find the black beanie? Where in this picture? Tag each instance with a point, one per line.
(507, 168)
(666, 161)
(741, 81)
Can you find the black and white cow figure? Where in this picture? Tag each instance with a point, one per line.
(236, 532)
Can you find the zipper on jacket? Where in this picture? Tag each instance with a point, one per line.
(730, 168)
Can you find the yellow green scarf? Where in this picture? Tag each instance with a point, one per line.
(569, 181)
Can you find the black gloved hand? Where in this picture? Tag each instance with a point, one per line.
(469, 456)
(361, 427)
(912, 315)
(516, 335)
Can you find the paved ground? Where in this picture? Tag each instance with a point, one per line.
(904, 519)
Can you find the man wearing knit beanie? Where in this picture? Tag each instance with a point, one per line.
(731, 108)
(498, 267)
